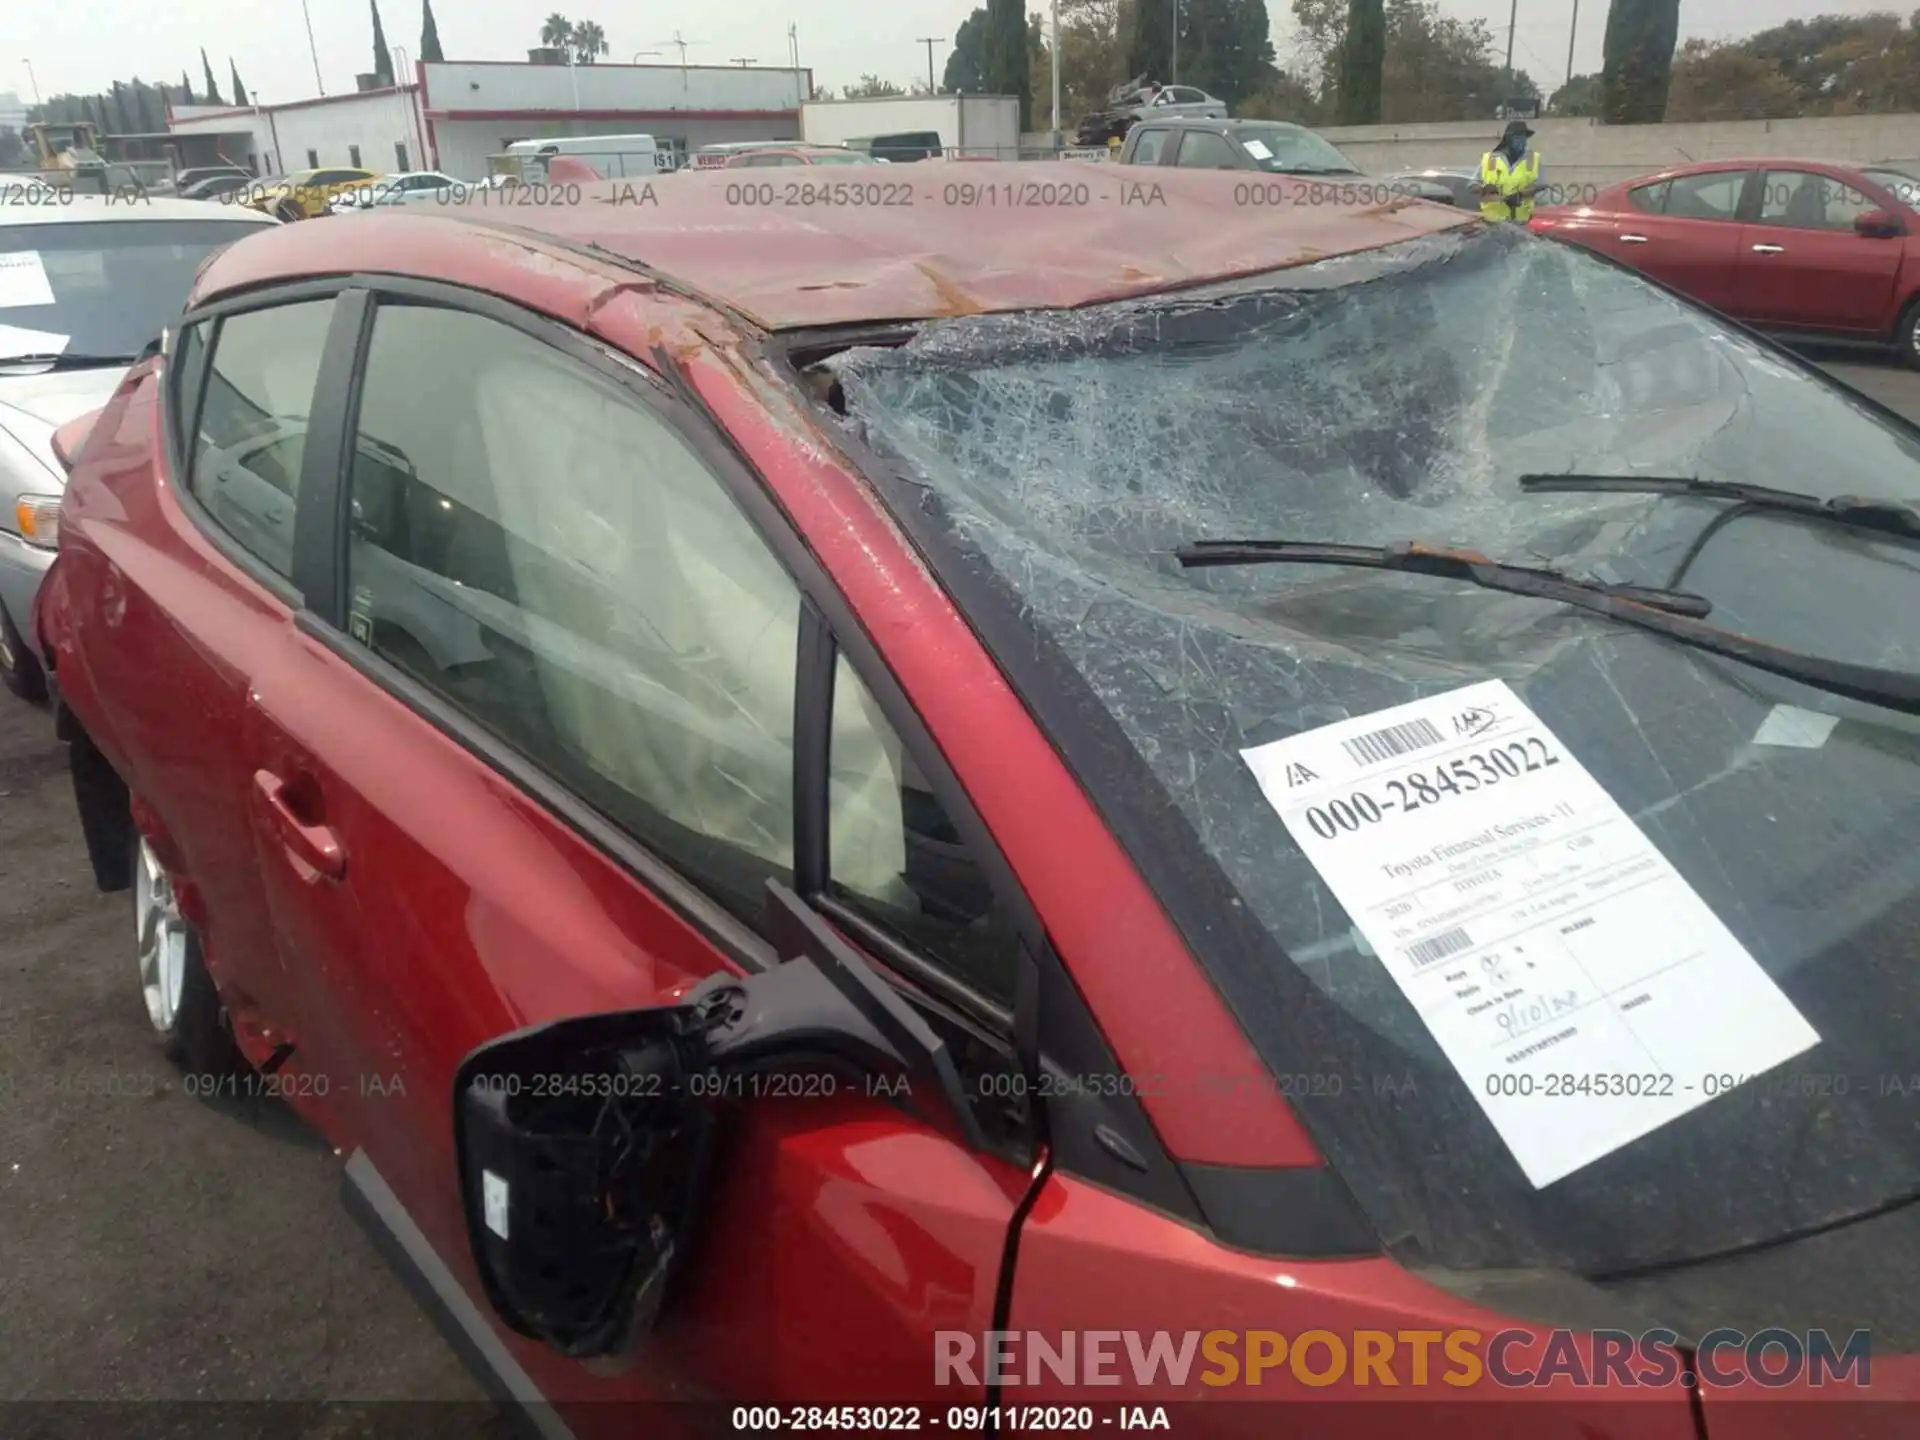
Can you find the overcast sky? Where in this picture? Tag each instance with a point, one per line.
(82, 45)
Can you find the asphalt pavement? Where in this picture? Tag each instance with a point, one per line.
(155, 1246)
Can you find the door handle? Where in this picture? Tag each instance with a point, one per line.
(1633, 239)
(1769, 249)
(314, 849)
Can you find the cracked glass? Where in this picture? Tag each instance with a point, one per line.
(1400, 395)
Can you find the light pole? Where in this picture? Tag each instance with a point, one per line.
(33, 80)
(638, 53)
(313, 49)
(1174, 77)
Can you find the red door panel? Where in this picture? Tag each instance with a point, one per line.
(179, 631)
(1092, 1262)
(1819, 279)
(842, 1234)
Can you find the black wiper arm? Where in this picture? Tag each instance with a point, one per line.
(1415, 558)
(68, 360)
(1678, 620)
(1887, 517)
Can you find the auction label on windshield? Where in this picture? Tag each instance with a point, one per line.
(1582, 989)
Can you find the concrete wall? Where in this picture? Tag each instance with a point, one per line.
(1581, 152)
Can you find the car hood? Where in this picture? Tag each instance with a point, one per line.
(32, 407)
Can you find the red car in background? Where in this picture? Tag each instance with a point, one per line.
(726, 758)
(1792, 247)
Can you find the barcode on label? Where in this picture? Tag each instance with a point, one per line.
(1395, 740)
(1439, 947)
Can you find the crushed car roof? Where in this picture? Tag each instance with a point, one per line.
(915, 242)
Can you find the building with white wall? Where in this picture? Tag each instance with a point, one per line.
(376, 129)
(455, 114)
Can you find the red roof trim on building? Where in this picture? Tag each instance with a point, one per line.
(451, 115)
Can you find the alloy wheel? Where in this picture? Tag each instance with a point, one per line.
(162, 933)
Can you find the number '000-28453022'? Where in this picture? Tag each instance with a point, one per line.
(1422, 788)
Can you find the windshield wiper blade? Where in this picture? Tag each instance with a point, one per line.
(1887, 517)
(68, 360)
(1679, 619)
(1415, 558)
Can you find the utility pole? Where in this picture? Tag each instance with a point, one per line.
(1056, 77)
(1174, 77)
(1572, 36)
(1513, 24)
(930, 41)
(313, 50)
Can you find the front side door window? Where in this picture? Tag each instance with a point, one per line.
(558, 563)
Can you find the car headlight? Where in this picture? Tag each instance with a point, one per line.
(38, 519)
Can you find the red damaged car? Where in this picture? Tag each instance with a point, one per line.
(1792, 247)
(864, 813)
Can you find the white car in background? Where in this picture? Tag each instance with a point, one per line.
(405, 189)
(86, 286)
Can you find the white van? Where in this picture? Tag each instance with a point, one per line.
(615, 157)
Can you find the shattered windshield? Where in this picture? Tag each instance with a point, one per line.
(1401, 395)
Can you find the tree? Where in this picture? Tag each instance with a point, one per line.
(1436, 66)
(1285, 96)
(556, 31)
(382, 56)
(1727, 81)
(1093, 52)
(186, 88)
(13, 149)
(213, 90)
(430, 52)
(1008, 68)
(1363, 61)
(1226, 47)
(966, 72)
(1150, 42)
(589, 42)
(239, 90)
(870, 87)
(1579, 96)
(1638, 70)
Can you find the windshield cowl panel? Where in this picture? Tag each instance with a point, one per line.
(1400, 396)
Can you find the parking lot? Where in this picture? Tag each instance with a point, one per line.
(162, 1247)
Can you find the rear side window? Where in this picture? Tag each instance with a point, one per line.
(1150, 147)
(1714, 196)
(536, 545)
(251, 432)
(1650, 198)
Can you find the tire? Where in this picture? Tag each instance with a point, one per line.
(182, 1004)
(1907, 336)
(19, 668)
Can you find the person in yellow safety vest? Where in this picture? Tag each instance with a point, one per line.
(1509, 176)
